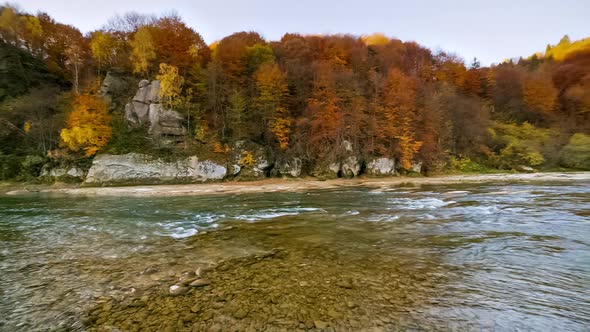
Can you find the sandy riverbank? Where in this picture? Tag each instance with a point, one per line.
(277, 185)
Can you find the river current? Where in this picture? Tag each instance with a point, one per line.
(501, 257)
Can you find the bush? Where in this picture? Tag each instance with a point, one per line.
(10, 166)
(515, 145)
(577, 153)
(31, 166)
(466, 165)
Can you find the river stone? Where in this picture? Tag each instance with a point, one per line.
(240, 314)
(177, 289)
(138, 168)
(200, 283)
(320, 324)
(525, 169)
(381, 167)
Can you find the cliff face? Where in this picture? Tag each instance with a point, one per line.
(146, 109)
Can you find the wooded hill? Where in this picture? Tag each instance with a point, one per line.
(311, 97)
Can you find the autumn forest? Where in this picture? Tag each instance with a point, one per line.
(319, 98)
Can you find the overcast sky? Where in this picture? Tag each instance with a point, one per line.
(490, 30)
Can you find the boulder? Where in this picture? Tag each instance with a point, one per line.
(525, 169)
(165, 122)
(75, 172)
(61, 172)
(146, 109)
(138, 168)
(136, 113)
(326, 170)
(350, 167)
(290, 167)
(417, 166)
(381, 167)
(261, 163)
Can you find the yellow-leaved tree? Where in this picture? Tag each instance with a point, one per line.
(143, 51)
(170, 85)
(88, 126)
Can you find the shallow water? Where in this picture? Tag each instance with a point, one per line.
(454, 257)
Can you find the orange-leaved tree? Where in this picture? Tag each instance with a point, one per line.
(88, 126)
(272, 87)
(539, 93)
(398, 114)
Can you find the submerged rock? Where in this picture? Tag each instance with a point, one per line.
(200, 283)
(177, 289)
(138, 168)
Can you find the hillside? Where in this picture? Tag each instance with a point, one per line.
(323, 105)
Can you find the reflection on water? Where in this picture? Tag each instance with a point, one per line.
(462, 257)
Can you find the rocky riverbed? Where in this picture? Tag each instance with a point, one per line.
(301, 283)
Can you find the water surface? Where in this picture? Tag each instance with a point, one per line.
(453, 257)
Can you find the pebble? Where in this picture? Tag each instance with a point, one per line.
(345, 284)
(178, 289)
(320, 324)
(240, 314)
(200, 283)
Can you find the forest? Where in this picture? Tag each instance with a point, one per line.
(314, 97)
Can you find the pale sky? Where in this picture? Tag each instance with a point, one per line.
(490, 30)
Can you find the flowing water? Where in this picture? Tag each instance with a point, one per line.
(432, 258)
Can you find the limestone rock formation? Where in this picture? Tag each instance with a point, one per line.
(262, 159)
(114, 89)
(137, 168)
(146, 109)
(61, 172)
(290, 167)
(347, 165)
(350, 167)
(381, 167)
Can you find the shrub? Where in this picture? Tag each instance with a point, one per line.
(515, 145)
(31, 166)
(576, 154)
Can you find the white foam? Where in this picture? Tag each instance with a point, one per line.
(428, 203)
(383, 217)
(276, 213)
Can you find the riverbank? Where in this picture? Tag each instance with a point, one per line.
(286, 185)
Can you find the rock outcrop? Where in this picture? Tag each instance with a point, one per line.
(251, 160)
(290, 167)
(137, 168)
(146, 109)
(381, 167)
(348, 165)
(62, 173)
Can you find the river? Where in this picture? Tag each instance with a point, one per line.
(462, 257)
